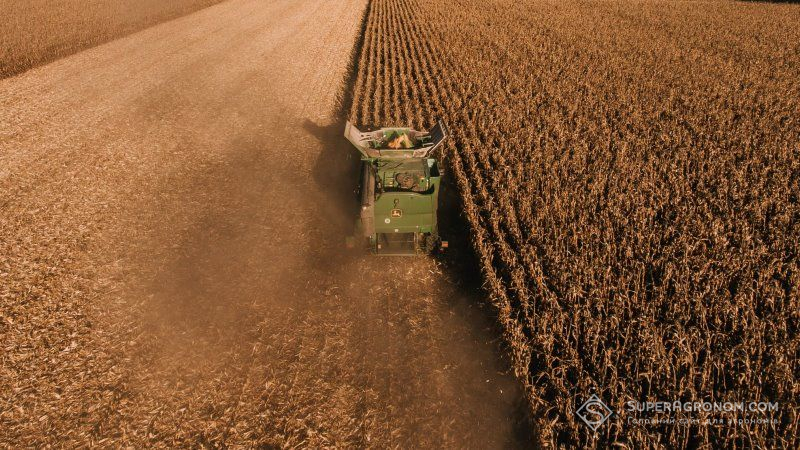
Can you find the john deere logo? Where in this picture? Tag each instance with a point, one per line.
(594, 412)
(397, 213)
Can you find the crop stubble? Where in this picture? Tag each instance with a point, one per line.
(630, 175)
(35, 32)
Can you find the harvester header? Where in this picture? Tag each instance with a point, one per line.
(395, 142)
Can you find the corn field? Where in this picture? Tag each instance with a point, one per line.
(630, 172)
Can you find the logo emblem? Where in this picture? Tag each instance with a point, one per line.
(594, 412)
(397, 212)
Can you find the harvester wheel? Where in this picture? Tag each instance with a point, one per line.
(429, 243)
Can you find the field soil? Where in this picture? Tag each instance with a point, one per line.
(173, 206)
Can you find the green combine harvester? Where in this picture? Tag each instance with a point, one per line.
(399, 190)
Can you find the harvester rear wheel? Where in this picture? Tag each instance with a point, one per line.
(429, 243)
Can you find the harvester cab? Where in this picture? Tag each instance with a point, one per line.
(399, 190)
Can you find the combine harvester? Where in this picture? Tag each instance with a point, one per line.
(399, 190)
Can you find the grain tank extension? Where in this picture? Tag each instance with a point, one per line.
(399, 190)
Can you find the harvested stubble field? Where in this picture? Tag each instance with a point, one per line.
(35, 32)
(631, 173)
(173, 208)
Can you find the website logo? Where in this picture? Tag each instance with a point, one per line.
(594, 412)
